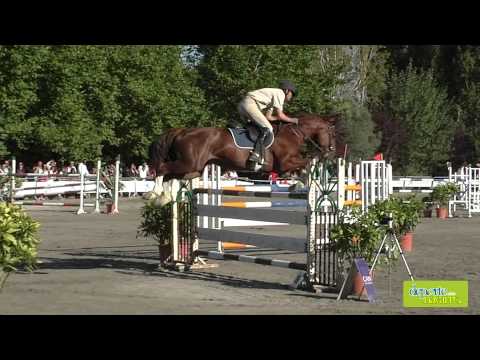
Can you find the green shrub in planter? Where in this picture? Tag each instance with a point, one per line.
(18, 240)
(443, 193)
(356, 235)
(360, 235)
(154, 225)
(411, 209)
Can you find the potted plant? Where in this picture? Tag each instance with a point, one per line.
(154, 226)
(356, 235)
(441, 195)
(408, 219)
(18, 241)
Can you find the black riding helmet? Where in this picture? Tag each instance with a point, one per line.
(287, 85)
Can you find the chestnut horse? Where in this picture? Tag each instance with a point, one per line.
(183, 153)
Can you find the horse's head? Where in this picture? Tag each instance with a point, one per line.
(321, 132)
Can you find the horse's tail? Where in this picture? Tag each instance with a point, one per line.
(159, 150)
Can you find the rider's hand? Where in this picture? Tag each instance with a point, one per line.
(294, 121)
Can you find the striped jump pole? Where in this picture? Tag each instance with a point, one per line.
(252, 259)
(265, 204)
(41, 203)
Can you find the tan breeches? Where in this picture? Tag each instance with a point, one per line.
(248, 108)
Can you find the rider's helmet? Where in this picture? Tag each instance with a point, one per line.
(287, 85)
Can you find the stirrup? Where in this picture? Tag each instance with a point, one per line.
(254, 157)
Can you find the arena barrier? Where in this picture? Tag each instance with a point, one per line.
(320, 214)
(317, 217)
(468, 181)
(58, 187)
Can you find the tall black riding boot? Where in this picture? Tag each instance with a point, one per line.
(258, 154)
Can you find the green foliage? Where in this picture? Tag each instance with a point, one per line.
(82, 102)
(18, 239)
(356, 235)
(423, 135)
(357, 130)
(228, 72)
(156, 222)
(442, 193)
(469, 100)
(360, 234)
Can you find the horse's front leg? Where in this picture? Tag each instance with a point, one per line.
(292, 164)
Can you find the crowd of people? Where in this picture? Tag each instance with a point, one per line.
(51, 167)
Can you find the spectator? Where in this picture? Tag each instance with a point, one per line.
(82, 168)
(6, 167)
(21, 169)
(38, 169)
(132, 171)
(70, 168)
(143, 171)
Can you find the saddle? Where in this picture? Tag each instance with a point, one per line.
(245, 138)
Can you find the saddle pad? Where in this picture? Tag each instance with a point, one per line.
(242, 140)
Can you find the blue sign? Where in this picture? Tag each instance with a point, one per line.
(364, 271)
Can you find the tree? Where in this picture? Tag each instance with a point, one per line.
(84, 102)
(418, 132)
(228, 72)
(357, 131)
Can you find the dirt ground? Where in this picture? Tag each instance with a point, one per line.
(94, 264)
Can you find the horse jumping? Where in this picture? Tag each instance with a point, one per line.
(184, 153)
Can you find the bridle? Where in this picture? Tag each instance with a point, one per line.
(330, 132)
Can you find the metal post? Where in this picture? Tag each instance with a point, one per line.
(82, 184)
(341, 183)
(117, 179)
(97, 192)
(13, 171)
(175, 241)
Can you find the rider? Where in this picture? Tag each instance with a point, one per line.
(258, 106)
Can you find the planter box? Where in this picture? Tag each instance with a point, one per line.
(442, 213)
(406, 242)
(427, 213)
